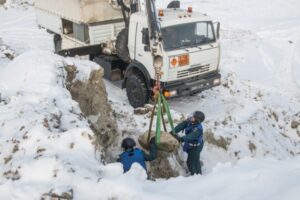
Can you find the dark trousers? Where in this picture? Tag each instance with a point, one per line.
(193, 160)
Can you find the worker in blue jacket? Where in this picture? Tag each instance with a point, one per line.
(193, 140)
(135, 155)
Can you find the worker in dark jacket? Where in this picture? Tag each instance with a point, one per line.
(135, 155)
(193, 140)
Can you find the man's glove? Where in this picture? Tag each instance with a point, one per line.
(171, 132)
(152, 141)
(179, 139)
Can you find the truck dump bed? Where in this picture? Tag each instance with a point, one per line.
(81, 11)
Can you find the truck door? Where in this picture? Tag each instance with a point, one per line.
(142, 52)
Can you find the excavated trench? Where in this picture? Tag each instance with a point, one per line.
(92, 98)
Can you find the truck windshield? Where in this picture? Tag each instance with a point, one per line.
(187, 35)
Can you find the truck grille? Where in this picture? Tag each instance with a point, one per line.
(196, 70)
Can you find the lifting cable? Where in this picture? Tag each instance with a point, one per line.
(160, 103)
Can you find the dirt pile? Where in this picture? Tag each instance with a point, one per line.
(168, 147)
(221, 142)
(92, 98)
(167, 142)
(51, 195)
(161, 167)
(5, 51)
(295, 124)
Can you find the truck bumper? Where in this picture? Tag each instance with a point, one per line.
(191, 85)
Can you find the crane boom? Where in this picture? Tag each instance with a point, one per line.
(155, 41)
(153, 25)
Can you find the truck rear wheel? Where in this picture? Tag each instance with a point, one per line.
(137, 91)
(122, 45)
(57, 42)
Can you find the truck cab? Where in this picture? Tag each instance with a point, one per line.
(191, 53)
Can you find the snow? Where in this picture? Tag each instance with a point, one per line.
(42, 130)
(249, 179)
(46, 144)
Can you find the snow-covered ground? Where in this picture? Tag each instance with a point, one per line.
(45, 144)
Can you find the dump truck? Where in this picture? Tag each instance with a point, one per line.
(131, 43)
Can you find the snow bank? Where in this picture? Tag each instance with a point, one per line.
(249, 179)
(44, 142)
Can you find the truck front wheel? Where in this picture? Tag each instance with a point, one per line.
(137, 91)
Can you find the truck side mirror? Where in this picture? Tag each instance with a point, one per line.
(145, 36)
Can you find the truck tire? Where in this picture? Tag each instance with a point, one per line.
(137, 91)
(122, 46)
(57, 42)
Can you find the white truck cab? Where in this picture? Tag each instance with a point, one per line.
(191, 50)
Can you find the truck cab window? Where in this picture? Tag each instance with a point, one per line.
(204, 30)
(74, 30)
(187, 35)
(67, 27)
(145, 37)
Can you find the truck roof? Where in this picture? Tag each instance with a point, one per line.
(81, 11)
(172, 17)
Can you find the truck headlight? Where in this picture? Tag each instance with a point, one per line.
(158, 62)
(184, 60)
(180, 60)
(169, 94)
(174, 62)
